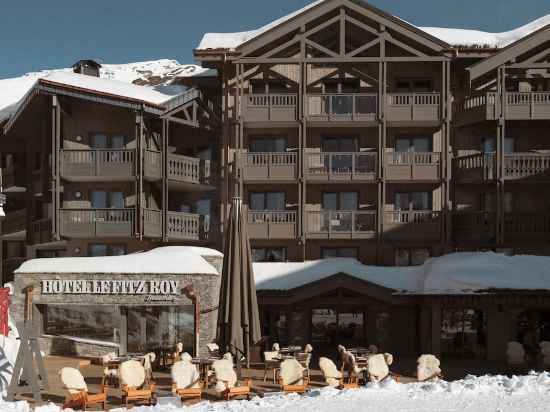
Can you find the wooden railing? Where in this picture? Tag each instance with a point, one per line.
(413, 217)
(475, 101)
(527, 224)
(476, 166)
(521, 165)
(338, 221)
(152, 222)
(413, 158)
(189, 169)
(360, 104)
(97, 222)
(269, 159)
(188, 226)
(527, 98)
(153, 163)
(474, 224)
(270, 216)
(15, 221)
(98, 162)
(414, 99)
(341, 163)
(271, 100)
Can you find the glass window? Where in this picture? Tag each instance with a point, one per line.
(99, 141)
(258, 87)
(117, 142)
(268, 145)
(323, 326)
(339, 252)
(340, 201)
(99, 322)
(413, 201)
(107, 200)
(340, 144)
(413, 144)
(463, 333)
(98, 249)
(269, 254)
(411, 256)
(267, 201)
(99, 199)
(202, 207)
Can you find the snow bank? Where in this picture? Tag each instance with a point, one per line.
(473, 394)
(182, 260)
(456, 273)
(452, 36)
(157, 75)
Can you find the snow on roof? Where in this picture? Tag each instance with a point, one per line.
(178, 260)
(452, 36)
(156, 75)
(458, 273)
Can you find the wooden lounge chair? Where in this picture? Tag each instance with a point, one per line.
(333, 377)
(305, 359)
(110, 371)
(378, 367)
(271, 363)
(226, 380)
(133, 385)
(186, 380)
(354, 371)
(148, 361)
(292, 379)
(428, 368)
(79, 398)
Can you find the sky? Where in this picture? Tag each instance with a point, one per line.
(42, 34)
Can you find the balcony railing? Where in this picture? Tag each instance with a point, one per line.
(522, 165)
(474, 226)
(186, 169)
(341, 166)
(152, 223)
(15, 221)
(269, 107)
(358, 106)
(527, 225)
(335, 224)
(412, 223)
(98, 163)
(414, 107)
(188, 226)
(269, 166)
(89, 223)
(478, 166)
(413, 165)
(270, 224)
(153, 164)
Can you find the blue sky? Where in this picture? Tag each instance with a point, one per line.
(40, 34)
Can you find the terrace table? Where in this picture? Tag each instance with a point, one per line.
(204, 364)
(291, 350)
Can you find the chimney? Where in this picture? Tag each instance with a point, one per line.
(87, 67)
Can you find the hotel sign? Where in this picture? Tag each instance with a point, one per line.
(109, 287)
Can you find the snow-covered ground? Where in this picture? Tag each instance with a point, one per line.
(474, 394)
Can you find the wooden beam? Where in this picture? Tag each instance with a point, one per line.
(402, 45)
(364, 47)
(282, 47)
(361, 25)
(340, 60)
(538, 56)
(342, 32)
(320, 48)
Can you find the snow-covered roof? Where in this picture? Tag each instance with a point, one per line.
(157, 75)
(177, 260)
(454, 36)
(458, 273)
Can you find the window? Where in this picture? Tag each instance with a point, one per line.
(413, 201)
(268, 86)
(489, 145)
(269, 254)
(339, 252)
(202, 207)
(273, 144)
(98, 249)
(463, 333)
(340, 144)
(414, 86)
(104, 141)
(92, 322)
(267, 201)
(340, 201)
(411, 257)
(107, 200)
(489, 202)
(413, 144)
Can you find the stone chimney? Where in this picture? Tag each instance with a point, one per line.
(87, 67)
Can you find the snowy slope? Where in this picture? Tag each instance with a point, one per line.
(157, 74)
(453, 36)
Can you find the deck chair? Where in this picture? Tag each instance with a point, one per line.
(305, 359)
(78, 397)
(271, 363)
(428, 368)
(516, 356)
(226, 380)
(176, 356)
(186, 380)
(333, 377)
(148, 361)
(110, 373)
(292, 378)
(378, 367)
(133, 385)
(354, 372)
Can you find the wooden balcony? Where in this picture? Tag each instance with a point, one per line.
(152, 223)
(413, 107)
(91, 223)
(527, 226)
(518, 106)
(342, 107)
(417, 166)
(269, 107)
(188, 226)
(189, 173)
(474, 226)
(341, 167)
(98, 165)
(269, 167)
(267, 224)
(15, 221)
(412, 224)
(341, 224)
(152, 164)
(481, 167)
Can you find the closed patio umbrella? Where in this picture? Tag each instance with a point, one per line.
(238, 316)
